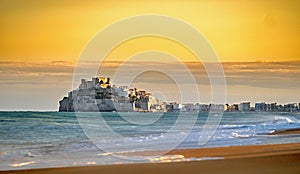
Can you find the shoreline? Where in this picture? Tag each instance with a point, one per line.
(273, 158)
(286, 132)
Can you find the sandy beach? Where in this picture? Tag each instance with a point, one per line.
(279, 158)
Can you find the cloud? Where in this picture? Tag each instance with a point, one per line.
(258, 74)
(24, 73)
(263, 74)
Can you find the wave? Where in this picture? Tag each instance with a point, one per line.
(273, 121)
(237, 135)
(234, 126)
(284, 120)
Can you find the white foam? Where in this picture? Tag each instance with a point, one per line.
(166, 158)
(105, 154)
(179, 158)
(21, 164)
(236, 135)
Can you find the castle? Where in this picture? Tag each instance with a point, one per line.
(99, 95)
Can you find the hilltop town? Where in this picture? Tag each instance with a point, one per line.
(99, 95)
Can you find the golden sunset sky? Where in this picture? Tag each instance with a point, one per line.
(52, 30)
(258, 42)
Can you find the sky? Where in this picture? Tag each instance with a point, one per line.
(41, 41)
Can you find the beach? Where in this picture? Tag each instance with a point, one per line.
(150, 87)
(278, 158)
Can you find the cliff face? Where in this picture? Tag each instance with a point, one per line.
(86, 103)
(66, 105)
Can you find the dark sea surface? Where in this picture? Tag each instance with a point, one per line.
(57, 139)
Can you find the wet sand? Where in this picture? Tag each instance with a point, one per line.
(278, 158)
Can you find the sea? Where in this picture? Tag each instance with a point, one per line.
(59, 139)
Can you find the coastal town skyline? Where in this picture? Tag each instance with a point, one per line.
(100, 95)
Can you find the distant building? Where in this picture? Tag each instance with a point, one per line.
(173, 107)
(291, 107)
(260, 107)
(190, 107)
(244, 107)
(272, 107)
(203, 108)
(216, 107)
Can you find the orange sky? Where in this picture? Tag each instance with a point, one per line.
(40, 42)
(239, 31)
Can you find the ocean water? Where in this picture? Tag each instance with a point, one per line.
(54, 139)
